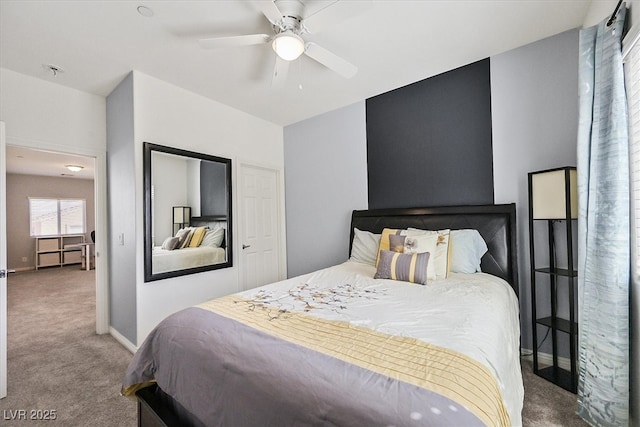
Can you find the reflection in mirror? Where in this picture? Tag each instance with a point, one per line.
(187, 212)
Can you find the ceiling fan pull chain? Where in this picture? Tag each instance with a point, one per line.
(300, 74)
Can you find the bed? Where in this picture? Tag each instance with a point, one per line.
(339, 347)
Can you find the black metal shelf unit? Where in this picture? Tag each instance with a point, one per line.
(553, 199)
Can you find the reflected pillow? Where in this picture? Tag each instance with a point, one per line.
(181, 235)
(405, 267)
(170, 243)
(187, 238)
(198, 235)
(365, 247)
(213, 238)
(467, 249)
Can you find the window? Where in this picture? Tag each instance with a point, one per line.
(632, 75)
(51, 217)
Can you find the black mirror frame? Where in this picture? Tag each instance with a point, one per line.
(148, 148)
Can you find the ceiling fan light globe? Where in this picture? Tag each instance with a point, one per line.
(288, 46)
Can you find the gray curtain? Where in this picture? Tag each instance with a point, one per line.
(603, 229)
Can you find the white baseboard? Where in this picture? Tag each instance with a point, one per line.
(546, 359)
(122, 340)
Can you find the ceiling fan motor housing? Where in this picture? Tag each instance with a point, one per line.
(288, 24)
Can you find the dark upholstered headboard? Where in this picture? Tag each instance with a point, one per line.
(495, 223)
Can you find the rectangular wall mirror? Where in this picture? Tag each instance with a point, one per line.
(187, 204)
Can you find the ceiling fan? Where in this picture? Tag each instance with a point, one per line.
(291, 20)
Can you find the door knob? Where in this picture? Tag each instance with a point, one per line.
(246, 246)
(3, 273)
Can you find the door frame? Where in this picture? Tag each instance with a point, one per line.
(3, 264)
(100, 200)
(282, 238)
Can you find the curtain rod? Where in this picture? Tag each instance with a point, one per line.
(613, 15)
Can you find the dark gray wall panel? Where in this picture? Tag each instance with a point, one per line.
(429, 143)
(213, 189)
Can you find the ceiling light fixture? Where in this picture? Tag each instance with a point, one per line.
(74, 168)
(288, 45)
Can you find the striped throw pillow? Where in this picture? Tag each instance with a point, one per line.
(405, 267)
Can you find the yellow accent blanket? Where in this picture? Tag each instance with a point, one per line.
(412, 361)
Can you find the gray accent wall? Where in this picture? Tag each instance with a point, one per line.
(121, 210)
(325, 179)
(534, 92)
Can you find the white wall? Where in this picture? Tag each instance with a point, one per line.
(168, 115)
(40, 114)
(170, 189)
(326, 178)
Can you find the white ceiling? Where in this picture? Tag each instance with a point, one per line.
(27, 161)
(392, 42)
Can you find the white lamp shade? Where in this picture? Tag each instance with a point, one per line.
(288, 46)
(548, 194)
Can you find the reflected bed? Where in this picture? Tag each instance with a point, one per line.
(165, 260)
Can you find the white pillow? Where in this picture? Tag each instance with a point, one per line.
(467, 249)
(213, 238)
(440, 258)
(365, 247)
(418, 243)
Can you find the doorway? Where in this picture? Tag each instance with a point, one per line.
(49, 172)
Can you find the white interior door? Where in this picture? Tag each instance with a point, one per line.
(3, 263)
(259, 226)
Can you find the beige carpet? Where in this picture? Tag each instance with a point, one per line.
(57, 362)
(546, 404)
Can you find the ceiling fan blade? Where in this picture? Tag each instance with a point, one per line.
(280, 72)
(334, 13)
(270, 10)
(234, 41)
(331, 60)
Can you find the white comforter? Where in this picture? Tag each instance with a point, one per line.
(474, 314)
